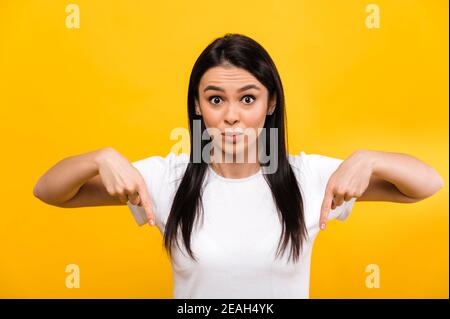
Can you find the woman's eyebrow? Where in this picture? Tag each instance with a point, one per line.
(218, 88)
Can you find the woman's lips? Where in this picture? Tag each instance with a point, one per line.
(233, 137)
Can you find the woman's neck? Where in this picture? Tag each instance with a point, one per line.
(235, 170)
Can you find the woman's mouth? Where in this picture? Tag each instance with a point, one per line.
(231, 137)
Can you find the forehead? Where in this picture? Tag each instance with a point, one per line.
(229, 77)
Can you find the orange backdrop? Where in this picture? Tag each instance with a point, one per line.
(119, 78)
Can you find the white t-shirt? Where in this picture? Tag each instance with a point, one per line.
(236, 245)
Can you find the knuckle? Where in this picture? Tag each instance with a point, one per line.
(340, 190)
(131, 188)
(330, 184)
(120, 190)
(141, 184)
(138, 175)
(333, 187)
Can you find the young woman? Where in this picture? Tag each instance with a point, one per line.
(237, 229)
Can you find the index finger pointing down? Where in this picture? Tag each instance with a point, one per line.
(147, 204)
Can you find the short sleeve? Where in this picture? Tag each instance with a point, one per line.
(158, 173)
(321, 168)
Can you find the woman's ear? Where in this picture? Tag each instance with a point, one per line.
(272, 104)
(197, 108)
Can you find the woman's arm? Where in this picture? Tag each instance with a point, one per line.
(63, 180)
(379, 176)
(397, 175)
(98, 178)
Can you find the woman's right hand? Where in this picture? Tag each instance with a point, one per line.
(121, 179)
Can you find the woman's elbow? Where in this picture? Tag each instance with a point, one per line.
(40, 194)
(440, 183)
(433, 184)
(436, 183)
(36, 191)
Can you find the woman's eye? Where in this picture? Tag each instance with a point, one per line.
(215, 99)
(247, 99)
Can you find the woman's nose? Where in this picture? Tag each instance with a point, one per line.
(232, 114)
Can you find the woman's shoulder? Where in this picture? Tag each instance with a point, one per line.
(170, 159)
(312, 161)
(301, 162)
(314, 166)
(169, 166)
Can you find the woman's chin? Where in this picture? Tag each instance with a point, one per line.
(237, 150)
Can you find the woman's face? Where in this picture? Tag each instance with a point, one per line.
(232, 101)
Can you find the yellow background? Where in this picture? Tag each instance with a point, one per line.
(121, 81)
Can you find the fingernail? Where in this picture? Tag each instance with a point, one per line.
(152, 222)
(322, 226)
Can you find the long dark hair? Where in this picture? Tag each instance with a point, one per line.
(242, 52)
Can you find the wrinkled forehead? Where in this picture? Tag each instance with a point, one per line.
(230, 78)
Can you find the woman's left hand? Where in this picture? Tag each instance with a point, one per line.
(350, 179)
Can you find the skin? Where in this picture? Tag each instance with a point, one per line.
(230, 109)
